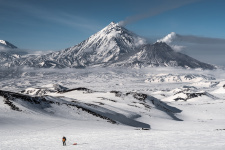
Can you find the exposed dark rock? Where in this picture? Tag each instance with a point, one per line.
(12, 106)
(11, 96)
(103, 98)
(171, 111)
(117, 93)
(78, 89)
(93, 113)
(179, 98)
(100, 103)
(190, 95)
(138, 96)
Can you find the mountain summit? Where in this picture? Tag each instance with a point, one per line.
(114, 45)
(109, 45)
(6, 44)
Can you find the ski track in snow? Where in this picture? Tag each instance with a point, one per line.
(200, 98)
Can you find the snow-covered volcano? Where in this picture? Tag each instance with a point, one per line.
(113, 46)
(107, 46)
(161, 54)
(6, 44)
(9, 52)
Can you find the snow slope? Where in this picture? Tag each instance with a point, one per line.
(160, 54)
(109, 112)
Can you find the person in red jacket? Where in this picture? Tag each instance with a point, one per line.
(64, 141)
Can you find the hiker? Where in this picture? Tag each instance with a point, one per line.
(64, 141)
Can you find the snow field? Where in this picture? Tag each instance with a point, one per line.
(97, 136)
(39, 128)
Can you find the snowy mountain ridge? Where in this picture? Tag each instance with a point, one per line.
(112, 46)
(51, 88)
(106, 46)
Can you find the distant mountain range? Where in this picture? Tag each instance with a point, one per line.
(112, 46)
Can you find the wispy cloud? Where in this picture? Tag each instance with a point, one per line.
(54, 16)
(13, 51)
(2, 48)
(206, 49)
(169, 39)
(199, 40)
(165, 6)
(174, 37)
(71, 20)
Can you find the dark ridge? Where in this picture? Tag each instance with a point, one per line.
(144, 104)
(38, 100)
(189, 95)
(12, 106)
(78, 89)
(166, 108)
(100, 103)
(179, 98)
(91, 112)
(12, 96)
(138, 96)
(117, 93)
(220, 129)
(103, 98)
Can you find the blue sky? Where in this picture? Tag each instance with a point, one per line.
(58, 24)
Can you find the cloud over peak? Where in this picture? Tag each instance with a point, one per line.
(169, 38)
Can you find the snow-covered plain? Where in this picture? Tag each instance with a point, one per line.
(199, 95)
